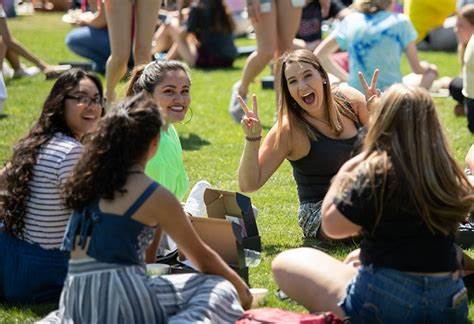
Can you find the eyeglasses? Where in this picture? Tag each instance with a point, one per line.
(87, 101)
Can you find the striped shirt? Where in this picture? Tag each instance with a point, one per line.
(46, 216)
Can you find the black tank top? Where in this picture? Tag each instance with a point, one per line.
(313, 173)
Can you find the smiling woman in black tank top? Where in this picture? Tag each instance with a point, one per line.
(316, 131)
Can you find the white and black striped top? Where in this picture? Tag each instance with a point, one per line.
(46, 216)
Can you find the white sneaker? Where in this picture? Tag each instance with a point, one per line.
(26, 72)
(234, 106)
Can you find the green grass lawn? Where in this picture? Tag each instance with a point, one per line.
(212, 144)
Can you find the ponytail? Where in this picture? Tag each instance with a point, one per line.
(133, 87)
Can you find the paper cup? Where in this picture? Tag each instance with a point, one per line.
(259, 295)
(157, 269)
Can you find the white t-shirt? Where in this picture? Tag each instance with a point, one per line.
(468, 70)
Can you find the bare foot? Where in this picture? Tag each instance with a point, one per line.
(54, 71)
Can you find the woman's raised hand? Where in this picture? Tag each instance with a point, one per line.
(250, 122)
(370, 91)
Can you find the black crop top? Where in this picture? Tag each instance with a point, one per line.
(401, 240)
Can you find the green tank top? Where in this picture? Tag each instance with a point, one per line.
(167, 166)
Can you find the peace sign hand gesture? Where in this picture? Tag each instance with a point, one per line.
(371, 92)
(250, 122)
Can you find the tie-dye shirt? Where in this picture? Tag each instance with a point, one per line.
(375, 41)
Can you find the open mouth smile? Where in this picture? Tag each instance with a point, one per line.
(176, 108)
(309, 98)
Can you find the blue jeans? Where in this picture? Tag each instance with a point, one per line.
(29, 273)
(91, 43)
(383, 295)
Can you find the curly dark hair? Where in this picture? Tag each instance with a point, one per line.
(18, 171)
(121, 139)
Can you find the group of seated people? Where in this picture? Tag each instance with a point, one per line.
(80, 209)
(88, 193)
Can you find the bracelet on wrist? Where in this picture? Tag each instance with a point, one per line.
(253, 139)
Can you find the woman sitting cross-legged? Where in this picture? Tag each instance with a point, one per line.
(32, 214)
(116, 210)
(406, 195)
(376, 38)
(168, 83)
(317, 131)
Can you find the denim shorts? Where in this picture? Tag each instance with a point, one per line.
(29, 273)
(309, 218)
(383, 295)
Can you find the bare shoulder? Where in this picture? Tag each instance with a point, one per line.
(295, 139)
(281, 138)
(357, 102)
(284, 130)
(352, 94)
(160, 205)
(162, 197)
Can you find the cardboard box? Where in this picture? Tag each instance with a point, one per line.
(229, 227)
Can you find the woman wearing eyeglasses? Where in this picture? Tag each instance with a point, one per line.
(33, 218)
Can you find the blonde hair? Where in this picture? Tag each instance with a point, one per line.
(405, 138)
(372, 6)
(288, 109)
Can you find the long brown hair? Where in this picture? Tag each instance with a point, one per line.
(405, 138)
(289, 109)
(19, 169)
(122, 138)
(221, 20)
(466, 12)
